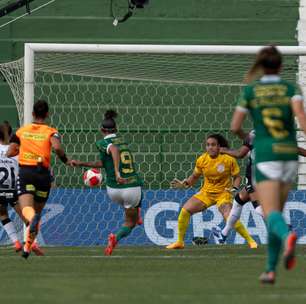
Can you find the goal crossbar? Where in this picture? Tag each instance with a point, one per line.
(32, 48)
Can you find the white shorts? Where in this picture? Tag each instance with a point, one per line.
(284, 171)
(126, 197)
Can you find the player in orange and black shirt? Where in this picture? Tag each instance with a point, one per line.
(33, 143)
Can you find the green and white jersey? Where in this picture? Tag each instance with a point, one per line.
(126, 165)
(269, 103)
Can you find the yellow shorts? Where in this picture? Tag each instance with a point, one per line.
(210, 199)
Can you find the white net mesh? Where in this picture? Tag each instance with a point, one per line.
(167, 105)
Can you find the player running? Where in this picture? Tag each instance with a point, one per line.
(272, 103)
(248, 192)
(33, 144)
(123, 184)
(8, 192)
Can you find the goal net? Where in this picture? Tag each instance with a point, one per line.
(169, 98)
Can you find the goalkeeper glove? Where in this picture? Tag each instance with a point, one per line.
(178, 184)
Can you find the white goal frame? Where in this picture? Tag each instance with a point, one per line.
(31, 48)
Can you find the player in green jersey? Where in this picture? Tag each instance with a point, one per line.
(272, 104)
(123, 184)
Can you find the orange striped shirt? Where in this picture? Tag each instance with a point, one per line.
(35, 144)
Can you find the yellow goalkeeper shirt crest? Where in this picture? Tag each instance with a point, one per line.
(217, 172)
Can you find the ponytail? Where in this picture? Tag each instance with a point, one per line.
(268, 60)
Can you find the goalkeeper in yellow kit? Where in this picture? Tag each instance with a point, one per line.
(221, 178)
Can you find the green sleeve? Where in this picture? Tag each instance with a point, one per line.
(292, 90)
(101, 146)
(245, 97)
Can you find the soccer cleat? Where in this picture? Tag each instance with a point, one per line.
(17, 246)
(267, 277)
(199, 241)
(217, 232)
(37, 250)
(139, 220)
(253, 245)
(112, 242)
(25, 254)
(289, 257)
(176, 245)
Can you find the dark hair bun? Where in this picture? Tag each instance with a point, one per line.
(110, 114)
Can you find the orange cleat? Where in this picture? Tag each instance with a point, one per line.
(253, 245)
(17, 246)
(289, 256)
(112, 242)
(267, 277)
(37, 250)
(139, 220)
(176, 245)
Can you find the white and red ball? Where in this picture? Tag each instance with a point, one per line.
(92, 178)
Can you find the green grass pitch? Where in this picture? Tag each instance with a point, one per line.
(208, 274)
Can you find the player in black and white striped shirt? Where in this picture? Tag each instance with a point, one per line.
(9, 169)
(8, 194)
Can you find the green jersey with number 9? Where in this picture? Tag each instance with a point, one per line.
(126, 165)
(269, 103)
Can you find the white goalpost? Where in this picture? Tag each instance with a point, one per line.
(169, 97)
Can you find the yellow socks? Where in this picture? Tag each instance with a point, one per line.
(239, 227)
(28, 213)
(183, 222)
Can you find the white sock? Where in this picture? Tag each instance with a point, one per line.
(11, 231)
(232, 218)
(259, 210)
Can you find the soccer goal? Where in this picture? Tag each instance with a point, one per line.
(169, 98)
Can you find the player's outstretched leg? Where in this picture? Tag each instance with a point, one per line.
(37, 250)
(217, 232)
(112, 242)
(10, 229)
(239, 227)
(139, 219)
(183, 221)
(131, 219)
(32, 231)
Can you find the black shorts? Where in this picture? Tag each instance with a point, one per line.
(8, 197)
(34, 180)
(248, 176)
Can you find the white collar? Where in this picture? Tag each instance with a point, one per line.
(270, 78)
(110, 136)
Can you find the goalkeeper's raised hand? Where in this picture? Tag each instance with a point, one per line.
(178, 184)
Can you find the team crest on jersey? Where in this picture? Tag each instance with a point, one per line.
(220, 168)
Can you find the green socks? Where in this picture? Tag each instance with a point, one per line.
(123, 232)
(277, 234)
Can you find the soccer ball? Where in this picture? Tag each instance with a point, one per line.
(92, 178)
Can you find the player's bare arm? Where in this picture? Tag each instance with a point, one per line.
(13, 149)
(238, 153)
(302, 151)
(236, 181)
(91, 164)
(58, 149)
(298, 110)
(236, 124)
